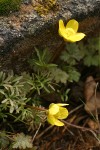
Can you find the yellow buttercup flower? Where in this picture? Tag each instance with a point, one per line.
(56, 112)
(69, 33)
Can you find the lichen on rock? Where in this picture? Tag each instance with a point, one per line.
(43, 7)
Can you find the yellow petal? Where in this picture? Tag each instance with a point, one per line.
(61, 104)
(53, 109)
(73, 24)
(62, 114)
(58, 123)
(62, 28)
(53, 121)
(76, 37)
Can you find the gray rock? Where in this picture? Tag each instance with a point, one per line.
(20, 32)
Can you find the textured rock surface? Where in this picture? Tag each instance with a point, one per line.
(21, 31)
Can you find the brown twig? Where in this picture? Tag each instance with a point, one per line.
(72, 111)
(41, 134)
(36, 108)
(83, 128)
(79, 127)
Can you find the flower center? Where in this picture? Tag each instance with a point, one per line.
(70, 32)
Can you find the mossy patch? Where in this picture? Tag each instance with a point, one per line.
(7, 6)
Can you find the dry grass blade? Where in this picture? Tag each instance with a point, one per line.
(36, 132)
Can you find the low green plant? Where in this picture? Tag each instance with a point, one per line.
(92, 52)
(42, 65)
(19, 97)
(18, 93)
(4, 140)
(87, 52)
(78, 54)
(22, 141)
(12, 92)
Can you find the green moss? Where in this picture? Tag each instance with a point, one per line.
(7, 6)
